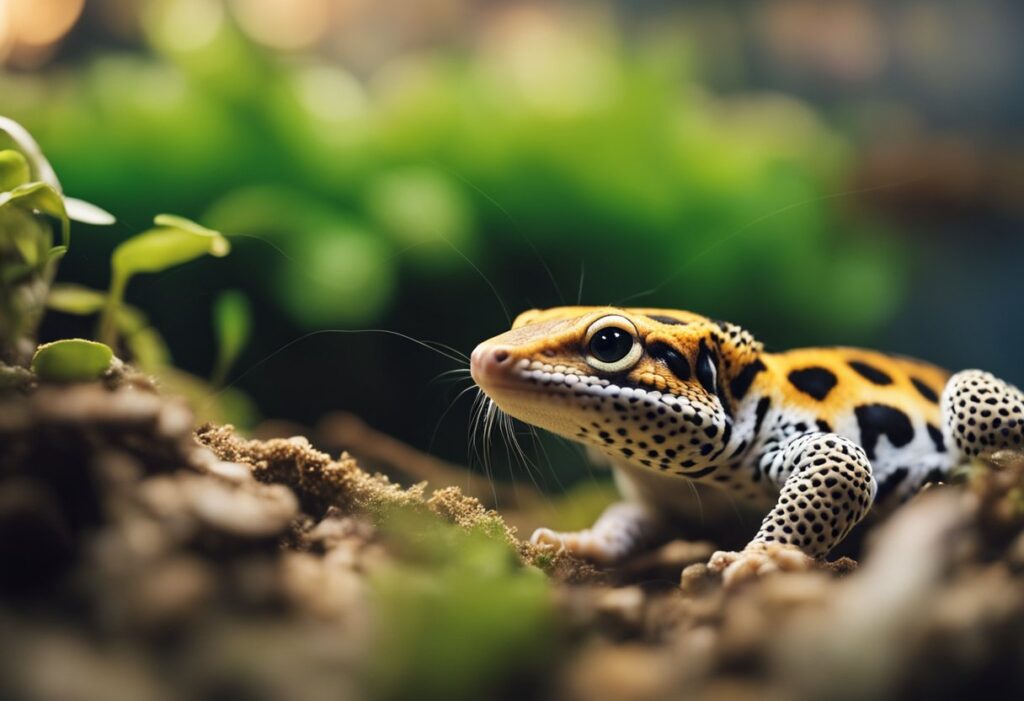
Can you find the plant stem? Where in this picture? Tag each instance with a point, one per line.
(108, 322)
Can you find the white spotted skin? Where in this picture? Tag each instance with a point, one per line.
(982, 413)
(815, 439)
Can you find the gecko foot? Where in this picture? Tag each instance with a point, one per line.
(594, 545)
(757, 560)
(547, 539)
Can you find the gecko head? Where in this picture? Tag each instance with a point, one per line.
(645, 385)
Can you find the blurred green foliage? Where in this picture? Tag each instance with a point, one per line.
(32, 216)
(457, 587)
(397, 195)
(233, 324)
(589, 151)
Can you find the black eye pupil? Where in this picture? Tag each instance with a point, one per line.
(610, 345)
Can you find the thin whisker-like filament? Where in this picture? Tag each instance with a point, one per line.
(536, 468)
(539, 444)
(518, 229)
(456, 375)
(520, 453)
(579, 292)
(440, 420)
(477, 426)
(696, 495)
(487, 280)
(474, 426)
(719, 241)
(441, 349)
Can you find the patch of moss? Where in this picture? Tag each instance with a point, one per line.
(461, 617)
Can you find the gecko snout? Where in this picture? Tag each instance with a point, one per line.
(489, 362)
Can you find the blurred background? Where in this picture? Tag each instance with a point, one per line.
(847, 172)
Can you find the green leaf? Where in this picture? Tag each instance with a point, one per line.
(40, 197)
(87, 213)
(148, 348)
(233, 321)
(173, 242)
(19, 137)
(72, 360)
(14, 170)
(173, 220)
(75, 299)
(27, 243)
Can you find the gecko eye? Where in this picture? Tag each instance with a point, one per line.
(612, 345)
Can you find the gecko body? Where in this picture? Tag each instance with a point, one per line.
(815, 438)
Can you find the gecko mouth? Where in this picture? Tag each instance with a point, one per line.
(532, 378)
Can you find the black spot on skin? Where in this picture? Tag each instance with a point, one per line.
(726, 404)
(814, 382)
(661, 318)
(823, 426)
(891, 481)
(871, 373)
(744, 378)
(701, 473)
(675, 362)
(707, 370)
(936, 436)
(760, 412)
(726, 435)
(926, 391)
(877, 420)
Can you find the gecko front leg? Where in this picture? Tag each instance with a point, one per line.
(826, 488)
(623, 529)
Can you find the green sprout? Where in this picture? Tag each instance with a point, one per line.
(173, 241)
(32, 209)
(233, 324)
(72, 360)
(145, 344)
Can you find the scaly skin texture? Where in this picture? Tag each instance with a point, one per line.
(815, 438)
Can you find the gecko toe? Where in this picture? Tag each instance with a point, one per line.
(547, 539)
(758, 560)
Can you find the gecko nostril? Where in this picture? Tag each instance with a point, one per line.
(500, 356)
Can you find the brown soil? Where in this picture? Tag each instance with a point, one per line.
(145, 560)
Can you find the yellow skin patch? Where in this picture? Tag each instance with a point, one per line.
(824, 434)
(852, 388)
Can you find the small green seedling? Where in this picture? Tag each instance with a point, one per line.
(233, 324)
(72, 360)
(146, 345)
(173, 241)
(32, 208)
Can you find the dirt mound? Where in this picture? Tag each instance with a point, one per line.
(143, 560)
